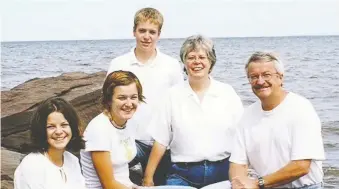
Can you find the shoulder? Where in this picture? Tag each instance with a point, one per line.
(296, 99)
(169, 62)
(225, 90)
(120, 62)
(70, 157)
(32, 163)
(225, 87)
(122, 58)
(99, 125)
(169, 59)
(99, 119)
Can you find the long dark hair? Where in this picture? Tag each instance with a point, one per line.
(39, 121)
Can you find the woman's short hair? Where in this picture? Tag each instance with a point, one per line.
(198, 42)
(39, 124)
(115, 79)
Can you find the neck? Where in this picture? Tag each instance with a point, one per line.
(144, 56)
(199, 85)
(55, 156)
(273, 101)
(116, 122)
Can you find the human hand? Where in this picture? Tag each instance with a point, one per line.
(241, 183)
(237, 183)
(147, 181)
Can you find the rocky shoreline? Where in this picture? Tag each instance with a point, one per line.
(18, 104)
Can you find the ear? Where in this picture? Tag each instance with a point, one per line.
(282, 79)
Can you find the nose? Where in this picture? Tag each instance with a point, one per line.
(129, 103)
(146, 36)
(260, 80)
(58, 130)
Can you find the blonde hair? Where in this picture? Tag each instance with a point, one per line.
(148, 14)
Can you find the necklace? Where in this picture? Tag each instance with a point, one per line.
(114, 123)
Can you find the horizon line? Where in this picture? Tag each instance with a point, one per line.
(107, 39)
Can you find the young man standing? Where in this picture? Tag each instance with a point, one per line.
(157, 72)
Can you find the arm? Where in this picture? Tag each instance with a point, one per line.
(157, 153)
(237, 170)
(237, 173)
(292, 171)
(103, 166)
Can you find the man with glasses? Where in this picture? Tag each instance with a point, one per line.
(279, 135)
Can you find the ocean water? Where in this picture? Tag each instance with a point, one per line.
(311, 64)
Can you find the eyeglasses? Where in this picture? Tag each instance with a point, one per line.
(265, 76)
(194, 58)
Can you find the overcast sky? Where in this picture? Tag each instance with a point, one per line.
(31, 20)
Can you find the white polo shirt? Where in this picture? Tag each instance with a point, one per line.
(195, 130)
(269, 140)
(156, 77)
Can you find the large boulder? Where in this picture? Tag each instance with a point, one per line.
(18, 104)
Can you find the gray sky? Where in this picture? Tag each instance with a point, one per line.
(30, 20)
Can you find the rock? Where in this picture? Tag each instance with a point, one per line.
(18, 104)
(28, 95)
(9, 161)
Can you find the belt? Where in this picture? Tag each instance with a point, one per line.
(203, 162)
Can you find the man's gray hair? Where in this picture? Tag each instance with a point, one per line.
(262, 56)
(197, 42)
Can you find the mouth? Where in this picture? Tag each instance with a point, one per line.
(127, 110)
(262, 88)
(145, 43)
(196, 69)
(59, 139)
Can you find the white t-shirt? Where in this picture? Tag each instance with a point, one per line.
(269, 140)
(101, 135)
(195, 130)
(38, 172)
(156, 77)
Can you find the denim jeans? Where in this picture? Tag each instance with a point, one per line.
(198, 175)
(143, 152)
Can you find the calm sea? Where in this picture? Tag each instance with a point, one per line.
(312, 70)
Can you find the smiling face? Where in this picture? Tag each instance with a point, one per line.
(124, 103)
(58, 130)
(147, 35)
(197, 64)
(264, 79)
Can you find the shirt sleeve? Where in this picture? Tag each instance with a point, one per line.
(97, 137)
(177, 73)
(238, 154)
(237, 111)
(307, 140)
(160, 127)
